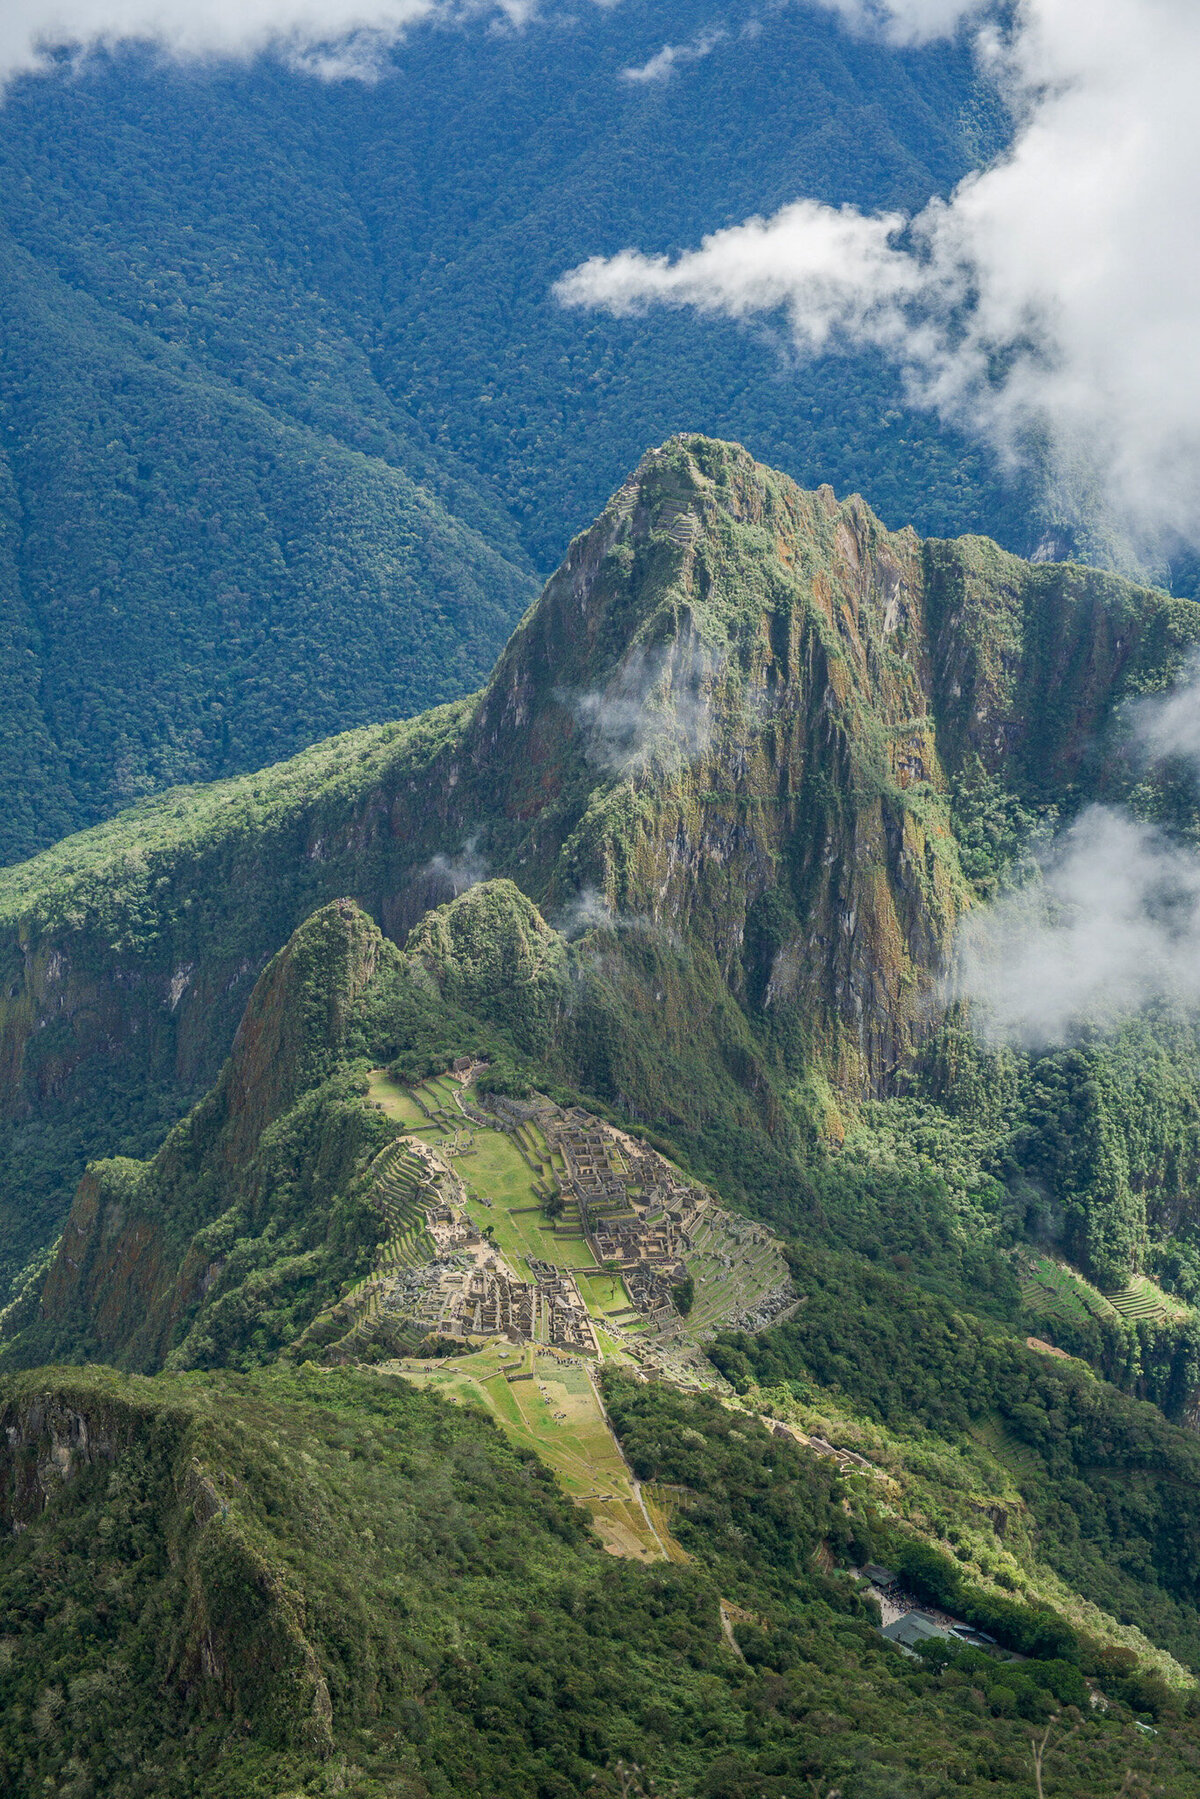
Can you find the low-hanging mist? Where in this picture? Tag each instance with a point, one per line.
(1111, 926)
(655, 711)
(1110, 923)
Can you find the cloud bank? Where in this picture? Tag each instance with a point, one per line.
(1110, 925)
(334, 39)
(907, 21)
(1049, 304)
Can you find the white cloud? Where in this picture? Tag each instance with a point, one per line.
(654, 712)
(835, 271)
(589, 910)
(664, 63)
(449, 876)
(1111, 922)
(1112, 926)
(334, 39)
(907, 21)
(1051, 299)
(1168, 725)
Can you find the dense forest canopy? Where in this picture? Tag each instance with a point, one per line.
(291, 417)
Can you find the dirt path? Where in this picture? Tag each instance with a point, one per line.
(727, 1632)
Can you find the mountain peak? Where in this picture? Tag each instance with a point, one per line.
(300, 1009)
(697, 557)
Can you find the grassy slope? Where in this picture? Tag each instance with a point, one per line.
(558, 1415)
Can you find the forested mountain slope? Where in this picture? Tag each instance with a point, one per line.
(289, 412)
(197, 579)
(304, 1574)
(768, 750)
(323, 1581)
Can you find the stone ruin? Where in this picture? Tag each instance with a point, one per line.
(640, 1217)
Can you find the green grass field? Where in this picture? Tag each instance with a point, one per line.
(603, 1294)
(558, 1415)
(399, 1104)
(497, 1171)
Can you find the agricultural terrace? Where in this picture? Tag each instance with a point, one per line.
(733, 1272)
(417, 1113)
(498, 1172)
(1142, 1299)
(1050, 1290)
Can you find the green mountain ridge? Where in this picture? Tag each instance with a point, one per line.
(790, 888)
(649, 934)
(289, 416)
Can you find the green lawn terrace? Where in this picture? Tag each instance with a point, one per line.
(430, 1112)
(548, 1402)
(548, 1214)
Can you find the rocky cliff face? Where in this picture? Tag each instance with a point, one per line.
(732, 719)
(743, 671)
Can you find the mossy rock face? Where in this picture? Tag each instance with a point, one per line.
(491, 952)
